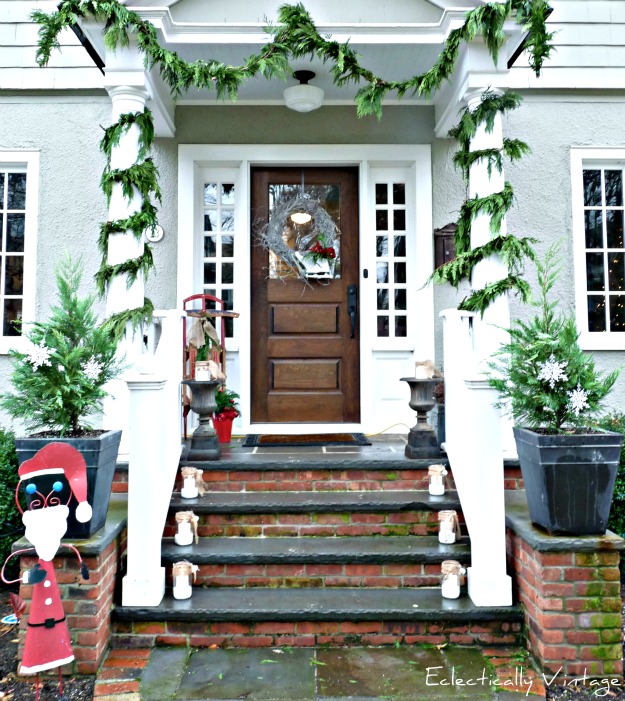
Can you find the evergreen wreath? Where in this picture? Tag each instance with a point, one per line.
(296, 36)
(322, 227)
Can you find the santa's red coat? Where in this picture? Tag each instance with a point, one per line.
(47, 642)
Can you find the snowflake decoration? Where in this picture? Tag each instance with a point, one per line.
(92, 368)
(40, 355)
(578, 400)
(552, 371)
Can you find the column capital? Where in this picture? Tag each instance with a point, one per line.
(473, 96)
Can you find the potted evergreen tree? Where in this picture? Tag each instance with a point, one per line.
(58, 384)
(227, 412)
(555, 394)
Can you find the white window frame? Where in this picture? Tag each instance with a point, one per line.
(28, 162)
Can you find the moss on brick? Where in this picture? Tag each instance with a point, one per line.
(606, 620)
(602, 589)
(607, 652)
(391, 475)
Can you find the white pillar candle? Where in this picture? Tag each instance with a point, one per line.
(189, 488)
(450, 587)
(184, 535)
(202, 374)
(182, 587)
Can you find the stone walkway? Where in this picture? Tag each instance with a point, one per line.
(412, 673)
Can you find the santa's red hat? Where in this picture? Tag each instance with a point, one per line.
(61, 459)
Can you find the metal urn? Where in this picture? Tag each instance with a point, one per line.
(422, 440)
(204, 441)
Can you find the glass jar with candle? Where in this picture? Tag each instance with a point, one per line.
(187, 528)
(451, 572)
(449, 528)
(437, 475)
(183, 573)
(191, 476)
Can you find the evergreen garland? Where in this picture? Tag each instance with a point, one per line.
(512, 250)
(296, 36)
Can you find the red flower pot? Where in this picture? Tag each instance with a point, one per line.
(223, 428)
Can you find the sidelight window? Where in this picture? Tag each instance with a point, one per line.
(391, 260)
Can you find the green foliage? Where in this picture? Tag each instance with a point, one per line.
(58, 383)
(296, 36)
(616, 422)
(227, 401)
(116, 324)
(513, 251)
(10, 518)
(550, 382)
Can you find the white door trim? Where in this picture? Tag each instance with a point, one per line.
(193, 157)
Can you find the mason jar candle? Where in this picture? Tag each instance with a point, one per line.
(436, 474)
(449, 528)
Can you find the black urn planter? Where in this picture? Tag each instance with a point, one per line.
(100, 454)
(569, 479)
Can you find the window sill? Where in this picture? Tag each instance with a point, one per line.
(602, 341)
(9, 343)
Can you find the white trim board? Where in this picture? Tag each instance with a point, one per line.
(414, 159)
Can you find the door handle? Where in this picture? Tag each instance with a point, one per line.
(352, 307)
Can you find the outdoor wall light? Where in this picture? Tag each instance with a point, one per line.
(303, 97)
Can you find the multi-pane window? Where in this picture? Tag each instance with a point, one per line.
(604, 249)
(218, 243)
(390, 247)
(12, 229)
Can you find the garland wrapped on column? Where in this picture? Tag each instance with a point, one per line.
(295, 36)
(512, 250)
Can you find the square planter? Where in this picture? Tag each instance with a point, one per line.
(569, 479)
(100, 454)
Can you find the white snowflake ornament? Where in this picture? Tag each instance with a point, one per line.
(92, 368)
(578, 400)
(39, 355)
(552, 371)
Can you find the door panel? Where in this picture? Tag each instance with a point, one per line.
(305, 364)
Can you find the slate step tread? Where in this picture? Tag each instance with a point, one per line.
(316, 502)
(358, 549)
(257, 604)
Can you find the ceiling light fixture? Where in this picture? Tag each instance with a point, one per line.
(303, 97)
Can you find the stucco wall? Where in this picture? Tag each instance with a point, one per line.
(542, 184)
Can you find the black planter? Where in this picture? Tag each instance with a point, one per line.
(569, 479)
(100, 454)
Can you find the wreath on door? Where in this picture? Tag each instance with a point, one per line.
(307, 251)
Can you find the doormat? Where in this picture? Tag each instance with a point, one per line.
(253, 440)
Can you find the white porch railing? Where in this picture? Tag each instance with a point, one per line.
(473, 441)
(155, 445)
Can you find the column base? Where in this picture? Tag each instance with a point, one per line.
(488, 589)
(147, 590)
(204, 447)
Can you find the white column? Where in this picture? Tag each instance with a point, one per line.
(125, 82)
(144, 583)
(489, 334)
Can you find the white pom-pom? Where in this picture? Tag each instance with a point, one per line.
(83, 512)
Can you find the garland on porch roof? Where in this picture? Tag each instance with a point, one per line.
(294, 36)
(512, 250)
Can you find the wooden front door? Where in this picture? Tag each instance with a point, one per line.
(305, 348)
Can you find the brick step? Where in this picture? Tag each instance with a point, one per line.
(315, 502)
(300, 617)
(317, 562)
(283, 514)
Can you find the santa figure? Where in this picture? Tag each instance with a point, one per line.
(55, 475)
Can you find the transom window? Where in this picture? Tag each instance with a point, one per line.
(13, 230)
(391, 261)
(605, 249)
(218, 244)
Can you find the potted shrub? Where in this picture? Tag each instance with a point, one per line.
(227, 412)
(555, 394)
(58, 383)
